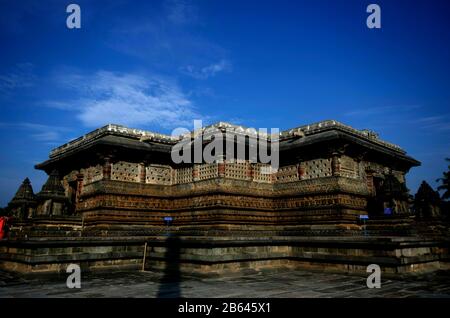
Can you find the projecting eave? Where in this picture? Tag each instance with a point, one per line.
(112, 141)
(337, 136)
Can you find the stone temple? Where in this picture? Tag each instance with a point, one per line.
(115, 199)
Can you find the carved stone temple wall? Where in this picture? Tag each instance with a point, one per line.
(110, 191)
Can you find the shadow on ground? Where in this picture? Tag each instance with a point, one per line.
(170, 282)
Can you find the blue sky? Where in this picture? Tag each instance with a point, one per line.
(157, 65)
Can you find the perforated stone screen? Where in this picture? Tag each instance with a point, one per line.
(158, 174)
(207, 171)
(262, 173)
(317, 168)
(287, 174)
(125, 171)
(237, 170)
(183, 175)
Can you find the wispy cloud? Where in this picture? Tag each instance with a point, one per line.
(207, 71)
(39, 132)
(439, 123)
(361, 112)
(20, 76)
(404, 116)
(201, 91)
(169, 38)
(181, 11)
(50, 135)
(63, 105)
(128, 99)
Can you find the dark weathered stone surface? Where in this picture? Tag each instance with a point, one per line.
(109, 191)
(217, 254)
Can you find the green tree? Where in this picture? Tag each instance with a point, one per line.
(445, 183)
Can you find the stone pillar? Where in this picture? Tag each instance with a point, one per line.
(335, 164)
(360, 164)
(173, 178)
(221, 169)
(221, 165)
(359, 168)
(142, 172)
(249, 171)
(195, 172)
(107, 168)
(301, 171)
(80, 178)
(369, 181)
(273, 175)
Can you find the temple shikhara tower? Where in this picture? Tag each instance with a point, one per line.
(338, 201)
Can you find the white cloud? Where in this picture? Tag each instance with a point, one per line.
(57, 105)
(21, 76)
(39, 132)
(439, 123)
(50, 135)
(127, 99)
(382, 110)
(207, 71)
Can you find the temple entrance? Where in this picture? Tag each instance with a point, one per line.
(375, 203)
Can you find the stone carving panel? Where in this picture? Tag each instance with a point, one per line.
(287, 174)
(378, 169)
(237, 170)
(183, 175)
(158, 174)
(262, 173)
(125, 171)
(399, 175)
(317, 168)
(207, 171)
(71, 176)
(92, 174)
(349, 167)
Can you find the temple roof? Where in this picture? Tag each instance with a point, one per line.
(328, 130)
(304, 130)
(24, 194)
(53, 186)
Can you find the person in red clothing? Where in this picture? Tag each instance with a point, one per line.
(2, 227)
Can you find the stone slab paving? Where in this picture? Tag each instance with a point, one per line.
(284, 284)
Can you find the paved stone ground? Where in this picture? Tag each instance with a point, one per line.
(285, 283)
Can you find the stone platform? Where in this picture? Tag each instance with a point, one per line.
(336, 200)
(395, 255)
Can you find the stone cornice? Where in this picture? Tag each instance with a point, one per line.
(141, 139)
